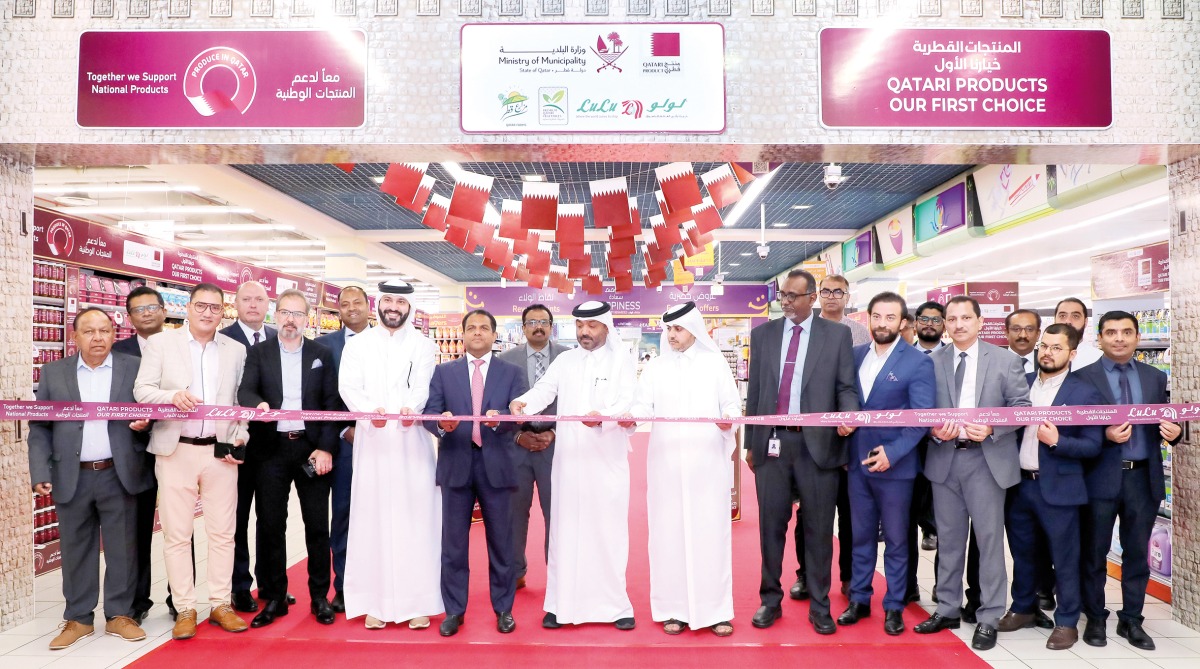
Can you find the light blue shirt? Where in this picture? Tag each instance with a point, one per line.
(801, 353)
(95, 385)
(292, 364)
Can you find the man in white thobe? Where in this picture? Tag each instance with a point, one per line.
(689, 476)
(393, 554)
(589, 512)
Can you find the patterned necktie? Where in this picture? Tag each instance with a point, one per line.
(959, 374)
(477, 400)
(788, 371)
(539, 365)
(256, 336)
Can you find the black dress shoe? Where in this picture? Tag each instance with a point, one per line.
(1042, 620)
(968, 613)
(242, 601)
(139, 615)
(1045, 601)
(1095, 633)
(290, 598)
(914, 597)
(450, 625)
(1135, 635)
(936, 623)
(845, 588)
(854, 613)
(984, 637)
(338, 604)
(766, 616)
(550, 622)
(822, 623)
(625, 624)
(322, 609)
(799, 590)
(171, 608)
(505, 622)
(270, 611)
(929, 542)
(893, 622)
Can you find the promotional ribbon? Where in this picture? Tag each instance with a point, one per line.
(994, 416)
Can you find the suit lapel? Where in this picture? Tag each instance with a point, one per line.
(1149, 391)
(308, 356)
(1099, 379)
(985, 360)
(120, 369)
(73, 380)
(947, 363)
(815, 346)
(773, 347)
(888, 366)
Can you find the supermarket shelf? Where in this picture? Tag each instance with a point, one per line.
(49, 325)
(1153, 345)
(48, 301)
(53, 345)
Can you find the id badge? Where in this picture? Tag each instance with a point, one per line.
(773, 447)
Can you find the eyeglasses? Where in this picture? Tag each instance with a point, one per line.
(1055, 349)
(792, 297)
(1026, 329)
(929, 320)
(537, 322)
(836, 293)
(281, 314)
(202, 307)
(147, 309)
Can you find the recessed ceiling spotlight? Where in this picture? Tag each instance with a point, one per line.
(533, 177)
(801, 207)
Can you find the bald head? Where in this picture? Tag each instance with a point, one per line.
(251, 302)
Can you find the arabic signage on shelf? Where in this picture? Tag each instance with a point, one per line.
(222, 79)
(593, 77)
(1145, 269)
(965, 78)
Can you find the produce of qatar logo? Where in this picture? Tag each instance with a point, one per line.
(610, 52)
(60, 229)
(217, 98)
(513, 104)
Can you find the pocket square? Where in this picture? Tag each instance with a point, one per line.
(890, 376)
(316, 364)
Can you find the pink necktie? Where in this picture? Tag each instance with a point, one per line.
(477, 400)
(789, 369)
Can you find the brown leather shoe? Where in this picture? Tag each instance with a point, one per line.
(520, 583)
(123, 627)
(185, 625)
(224, 617)
(1011, 622)
(72, 631)
(1062, 638)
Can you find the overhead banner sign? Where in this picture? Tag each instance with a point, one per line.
(593, 77)
(1010, 192)
(737, 300)
(965, 78)
(1145, 269)
(222, 79)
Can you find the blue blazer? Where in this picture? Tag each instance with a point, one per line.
(336, 342)
(1103, 472)
(450, 390)
(1061, 470)
(906, 381)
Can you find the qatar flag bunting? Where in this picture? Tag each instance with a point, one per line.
(663, 206)
(679, 187)
(435, 214)
(658, 273)
(707, 217)
(345, 167)
(610, 203)
(579, 267)
(539, 205)
(526, 244)
(470, 197)
(593, 284)
(498, 253)
(458, 237)
(678, 217)
(479, 235)
(633, 228)
(569, 234)
(558, 279)
(403, 180)
(521, 273)
(696, 238)
(539, 260)
(626, 246)
(417, 203)
(688, 250)
(659, 254)
(510, 220)
(722, 186)
(619, 265)
(536, 280)
(624, 282)
(665, 233)
(509, 272)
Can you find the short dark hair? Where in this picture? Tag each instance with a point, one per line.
(205, 288)
(963, 299)
(88, 310)
(808, 279)
(1116, 316)
(350, 288)
(1076, 300)
(889, 296)
(536, 307)
(836, 278)
(931, 304)
(1073, 335)
(1036, 317)
(142, 291)
(475, 312)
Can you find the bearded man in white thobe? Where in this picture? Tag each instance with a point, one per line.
(393, 554)
(589, 512)
(689, 476)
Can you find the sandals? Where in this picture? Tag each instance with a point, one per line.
(674, 626)
(722, 629)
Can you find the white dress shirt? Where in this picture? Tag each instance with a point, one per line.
(1041, 394)
(249, 332)
(871, 365)
(95, 385)
(966, 400)
(206, 379)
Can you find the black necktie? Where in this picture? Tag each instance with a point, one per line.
(1123, 383)
(256, 336)
(959, 373)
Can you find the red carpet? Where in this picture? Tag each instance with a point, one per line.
(298, 639)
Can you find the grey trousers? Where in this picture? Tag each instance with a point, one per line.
(532, 469)
(100, 505)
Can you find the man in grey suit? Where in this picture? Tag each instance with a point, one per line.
(970, 466)
(535, 439)
(798, 364)
(95, 469)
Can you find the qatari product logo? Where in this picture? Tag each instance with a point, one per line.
(60, 238)
(216, 98)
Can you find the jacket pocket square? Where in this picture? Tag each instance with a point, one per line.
(316, 364)
(890, 376)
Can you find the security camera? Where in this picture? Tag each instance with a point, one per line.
(763, 250)
(833, 176)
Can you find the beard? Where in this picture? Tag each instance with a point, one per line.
(392, 321)
(930, 338)
(884, 337)
(1051, 368)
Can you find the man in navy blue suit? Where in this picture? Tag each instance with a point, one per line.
(1125, 481)
(884, 460)
(354, 309)
(1051, 491)
(475, 462)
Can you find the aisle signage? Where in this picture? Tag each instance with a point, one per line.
(858, 251)
(965, 78)
(895, 235)
(222, 79)
(997, 299)
(1146, 269)
(740, 300)
(941, 213)
(593, 77)
(1008, 192)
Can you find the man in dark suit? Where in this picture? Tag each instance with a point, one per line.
(535, 440)
(475, 463)
(95, 469)
(252, 304)
(1046, 502)
(798, 364)
(970, 465)
(1125, 481)
(928, 326)
(883, 460)
(288, 372)
(354, 309)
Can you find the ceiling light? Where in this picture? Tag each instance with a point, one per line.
(743, 205)
(735, 264)
(76, 199)
(284, 253)
(533, 177)
(801, 207)
(268, 243)
(378, 180)
(295, 264)
(232, 227)
(165, 209)
(779, 225)
(129, 188)
(1117, 244)
(745, 255)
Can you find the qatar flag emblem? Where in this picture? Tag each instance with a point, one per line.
(664, 45)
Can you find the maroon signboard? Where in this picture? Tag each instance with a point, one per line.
(329, 296)
(943, 294)
(739, 300)
(997, 299)
(222, 79)
(1146, 269)
(965, 78)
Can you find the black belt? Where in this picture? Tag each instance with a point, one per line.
(97, 465)
(964, 443)
(294, 435)
(198, 441)
(1031, 474)
(1133, 464)
(791, 428)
